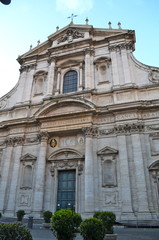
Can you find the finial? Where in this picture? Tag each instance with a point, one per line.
(110, 24)
(57, 28)
(72, 16)
(38, 42)
(31, 46)
(119, 25)
(87, 20)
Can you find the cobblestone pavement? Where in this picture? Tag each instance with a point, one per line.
(40, 233)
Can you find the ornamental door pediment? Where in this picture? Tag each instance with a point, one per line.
(107, 151)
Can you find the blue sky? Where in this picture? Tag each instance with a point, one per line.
(24, 22)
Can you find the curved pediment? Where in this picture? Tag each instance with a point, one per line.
(64, 107)
(65, 154)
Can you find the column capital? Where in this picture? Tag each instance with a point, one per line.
(89, 51)
(14, 141)
(51, 60)
(90, 131)
(43, 136)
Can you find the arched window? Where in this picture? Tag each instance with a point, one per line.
(70, 82)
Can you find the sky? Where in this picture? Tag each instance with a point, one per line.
(25, 22)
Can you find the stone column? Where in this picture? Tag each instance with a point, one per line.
(116, 81)
(89, 169)
(51, 75)
(126, 67)
(5, 172)
(88, 69)
(40, 175)
(124, 177)
(12, 189)
(139, 174)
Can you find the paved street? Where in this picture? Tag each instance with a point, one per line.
(39, 233)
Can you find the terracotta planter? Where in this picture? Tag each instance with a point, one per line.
(110, 237)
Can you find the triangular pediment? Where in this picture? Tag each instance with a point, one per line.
(71, 33)
(28, 157)
(107, 151)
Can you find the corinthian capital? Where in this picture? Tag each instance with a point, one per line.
(90, 131)
(43, 136)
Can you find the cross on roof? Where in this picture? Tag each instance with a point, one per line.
(72, 17)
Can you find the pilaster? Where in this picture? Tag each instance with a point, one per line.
(28, 83)
(90, 132)
(116, 81)
(124, 177)
(40, 175)
(139, 174)
(51, 76)
(12, 189)
(88, 53)
(5, 172)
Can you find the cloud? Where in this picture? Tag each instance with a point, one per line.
(76, 6)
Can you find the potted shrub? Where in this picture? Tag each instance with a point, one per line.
(47, 219)
(20, 214)
(10, 231)
(92, 229)
(108, 218)
(65, 223)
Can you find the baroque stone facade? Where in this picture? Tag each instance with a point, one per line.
(81, 128)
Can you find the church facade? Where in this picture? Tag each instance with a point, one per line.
(81, 128)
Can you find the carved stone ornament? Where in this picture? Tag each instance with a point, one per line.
(70, 35)
(66, 164)
(118, 47)
(43, 136)
(154, 76)
(3, 104)
(90, 131)
(126, 128)
(10, 142)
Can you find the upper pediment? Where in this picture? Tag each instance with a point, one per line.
(73, 33)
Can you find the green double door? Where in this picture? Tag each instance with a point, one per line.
(66, 189)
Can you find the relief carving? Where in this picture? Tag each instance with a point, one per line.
(90, 131)
(66, 164)
(154, 76)
(43, 136)
(70, 35)
(124, 129)
(111, 198)
(24, 200)
(10, 142)
(119, 47)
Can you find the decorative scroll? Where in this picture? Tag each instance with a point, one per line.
(154, 76)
